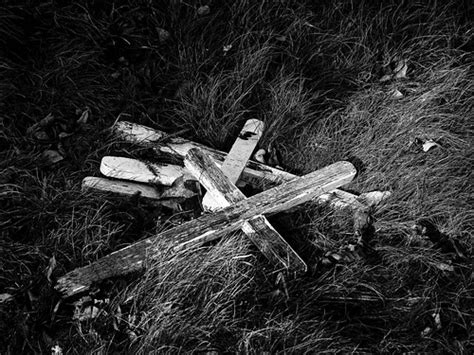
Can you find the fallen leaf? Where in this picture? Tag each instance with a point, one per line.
(5, 297)
(163, 35)
(64, 135)
(444, 267)
(45, 122)
(260, 156)
(401, 69)
(426, 332)
(386, 78)
(429, 144)
(50, 269)
(204, 10)
(373, 198)
(56, 350)
(84, 116)
(396, 94)
(52, 156)
(437, 319)
(41, 135)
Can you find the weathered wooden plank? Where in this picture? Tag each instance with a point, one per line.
(120, 187)
(140, 171)
(258, 229)
(272, 245)
(255, 174)
(235, 162)
(209, 227)
(172, 197)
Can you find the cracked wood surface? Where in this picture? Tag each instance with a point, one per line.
(208, 227)
(237, 158)
(258, 229)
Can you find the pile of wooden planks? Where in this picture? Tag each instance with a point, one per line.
(228, 209)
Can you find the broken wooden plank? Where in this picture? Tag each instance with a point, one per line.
(172, 197)
(208, 227)
(140, 171)
(120, 187)
(258, 229)
(255, 174)
(235, 162)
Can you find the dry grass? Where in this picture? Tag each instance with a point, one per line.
(309, 70)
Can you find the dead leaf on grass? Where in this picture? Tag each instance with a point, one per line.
(50, 269)
(84, 116)
(163, 35)
(52, 156)
(400, 71)
(45, 122)
(260, 156)
(386, 78)
(5, 297)
(204, 10)
(396, 94)
(56, 350)
(429, 144)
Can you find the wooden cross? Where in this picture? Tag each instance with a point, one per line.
(237, 212)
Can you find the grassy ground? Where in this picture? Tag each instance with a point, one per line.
(311, 71)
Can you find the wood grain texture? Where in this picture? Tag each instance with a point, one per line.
(120, 187)
(208, 227)
(255, 174)
(140, 171)
(237, 158)
(259, 230)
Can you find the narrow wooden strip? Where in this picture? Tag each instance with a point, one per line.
(120, 187)
(255, 174)
(235, 162)
(208, 227)
(140, 171)
(272, 245)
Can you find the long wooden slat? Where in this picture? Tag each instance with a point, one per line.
(140, 171)
(120, 187)
(258, 229)
(255, 174)
(171, 197)
(209, 227)
(240, 153)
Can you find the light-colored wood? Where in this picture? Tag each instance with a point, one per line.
(236, 160)
(258, 229)
(140, 171)
(208, 227)
(172, 197)
(255, 174)
(120, 187)
(272, 245)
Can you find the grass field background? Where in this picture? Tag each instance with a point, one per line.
(311, 71)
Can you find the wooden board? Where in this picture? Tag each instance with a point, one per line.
(256, 174)
(120, 187)
(240, 153)
(140, 171)
(258, 229)
(209, 227)
(172, 197)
